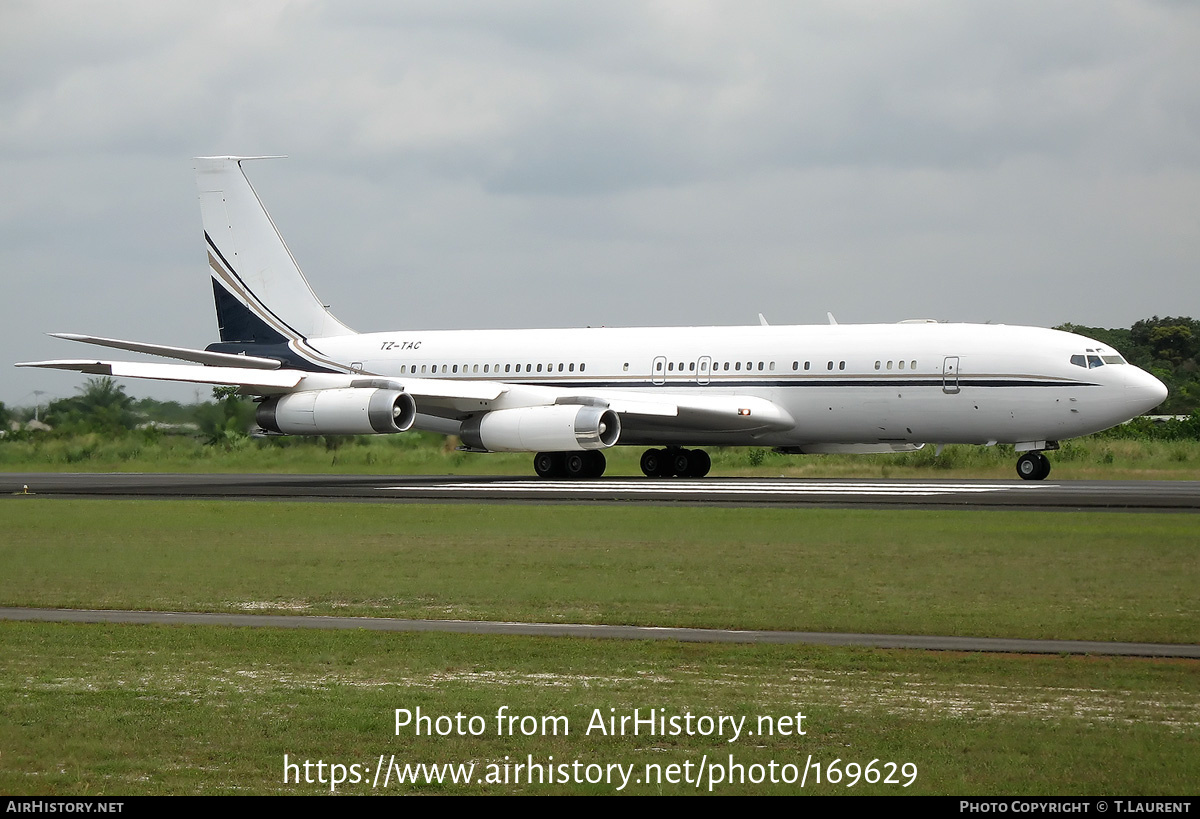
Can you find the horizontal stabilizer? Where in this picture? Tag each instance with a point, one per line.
(181, 353)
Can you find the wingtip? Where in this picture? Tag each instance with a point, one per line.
(239, 158)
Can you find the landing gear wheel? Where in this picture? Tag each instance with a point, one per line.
(577, 465)
(698, 463)
(596, 462)
(679, 462)
(654, 462)
(1033, 466)
(549, 465)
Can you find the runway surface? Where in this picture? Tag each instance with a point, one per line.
(703, 635)
(1181, 496)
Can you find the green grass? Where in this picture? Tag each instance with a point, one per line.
(1067, 575)
(141, 709)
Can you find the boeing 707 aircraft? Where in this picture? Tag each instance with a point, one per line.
(568, 395)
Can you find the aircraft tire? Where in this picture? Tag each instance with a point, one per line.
(596, 463)
(698, 463)
(653, 463)
(679, 462)
(1033, 466)
(576, 465)
(549, 465)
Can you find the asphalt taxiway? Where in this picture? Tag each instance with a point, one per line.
(1179, 496)
(694, 635)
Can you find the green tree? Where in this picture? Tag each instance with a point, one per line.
(102, 406)
(225, 422)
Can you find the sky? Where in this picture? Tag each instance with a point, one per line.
(557, 164)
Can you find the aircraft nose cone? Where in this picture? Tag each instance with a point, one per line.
(1145, 392)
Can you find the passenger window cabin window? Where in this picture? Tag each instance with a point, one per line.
(902, 365)
(841, 365)
(738, 366)
(795, 366)
(830, 366)
(877, 363)
(581, 367)
(806, 363)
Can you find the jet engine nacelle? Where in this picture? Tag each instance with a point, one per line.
(557, 428)
(348, 411)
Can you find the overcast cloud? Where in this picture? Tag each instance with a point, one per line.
(514, 164)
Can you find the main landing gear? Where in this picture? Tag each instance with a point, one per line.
(656, 463)
(682, 463)
(574, 465)
(1033, 466)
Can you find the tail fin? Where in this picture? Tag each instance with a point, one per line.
(261, 295)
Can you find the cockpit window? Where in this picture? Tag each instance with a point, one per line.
(1079, 361)
(1094, 362)
(1113, 359)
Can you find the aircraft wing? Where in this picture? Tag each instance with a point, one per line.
(713, 413)
(457, 399)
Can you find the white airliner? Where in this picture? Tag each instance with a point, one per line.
(568, 395)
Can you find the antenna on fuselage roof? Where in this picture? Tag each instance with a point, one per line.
(763, 320)
(832, 320)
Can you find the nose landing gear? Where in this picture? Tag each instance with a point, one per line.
(1033, 466)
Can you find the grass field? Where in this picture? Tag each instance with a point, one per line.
(122, 710)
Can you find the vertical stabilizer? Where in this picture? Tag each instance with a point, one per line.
(251, 265)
